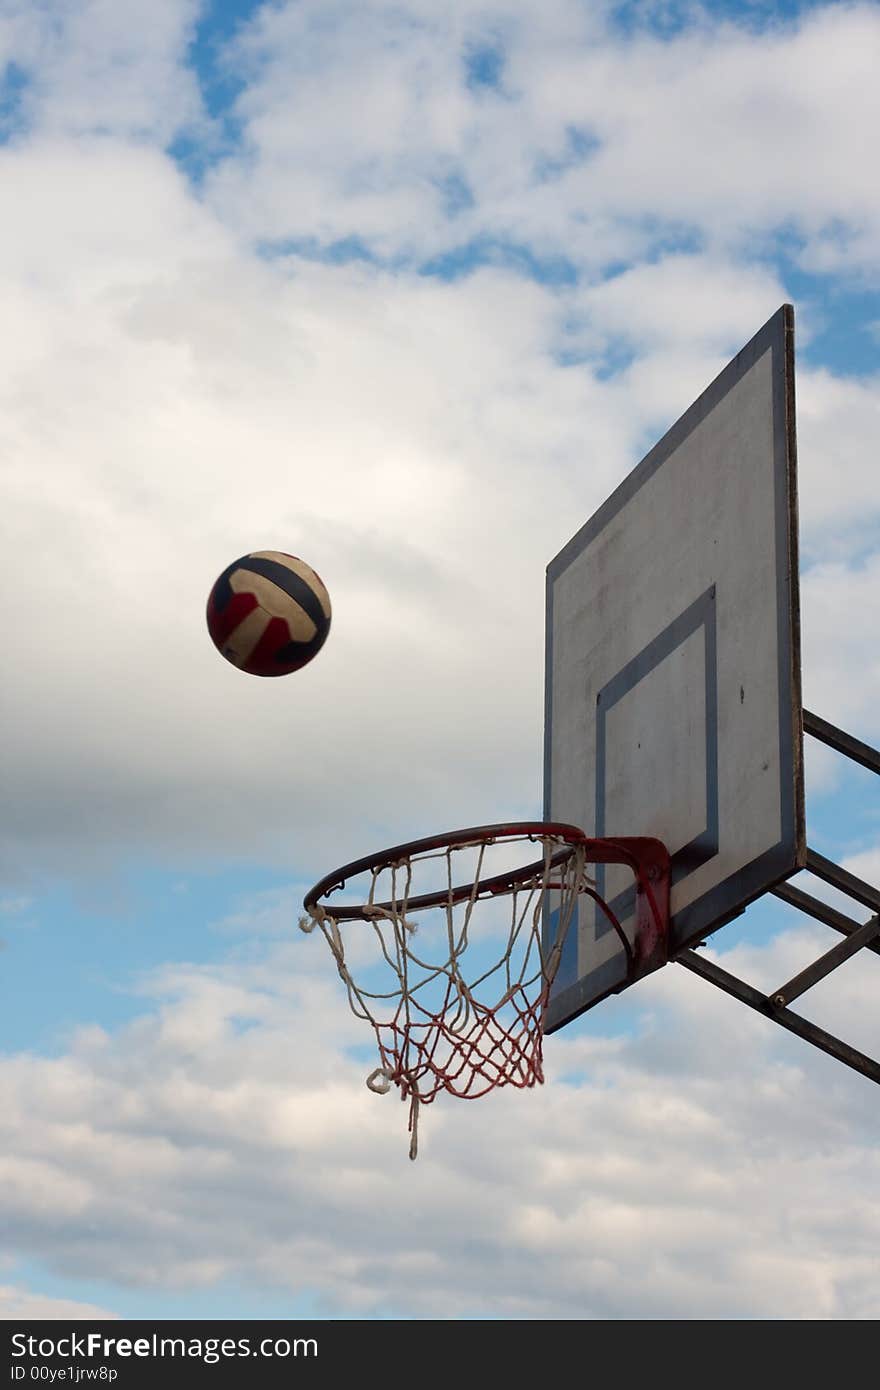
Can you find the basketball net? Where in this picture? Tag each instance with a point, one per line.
(436, 1031)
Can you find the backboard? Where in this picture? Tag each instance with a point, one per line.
(672, 695)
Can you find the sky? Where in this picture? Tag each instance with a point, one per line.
(405, 290)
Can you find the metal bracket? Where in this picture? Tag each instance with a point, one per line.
(857, 935)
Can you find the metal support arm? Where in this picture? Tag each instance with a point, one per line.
(746, 994)
(857, 935)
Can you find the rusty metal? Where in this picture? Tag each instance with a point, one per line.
(647, 858)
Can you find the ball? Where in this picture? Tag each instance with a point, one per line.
(269, 613)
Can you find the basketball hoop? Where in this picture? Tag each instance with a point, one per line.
(436, 1031)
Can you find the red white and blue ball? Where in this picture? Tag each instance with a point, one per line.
(269, 613)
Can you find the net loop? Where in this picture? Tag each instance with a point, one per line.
(383, 1086)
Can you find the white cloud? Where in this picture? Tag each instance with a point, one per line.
(698, 303)
(151, 447)
(19, 1304)
(842, 669)
(838, 428)
(353, 128)
(170, 401)
(14, 907)
(227, 1134)
(94, 67)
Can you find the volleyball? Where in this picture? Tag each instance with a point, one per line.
(269, 613)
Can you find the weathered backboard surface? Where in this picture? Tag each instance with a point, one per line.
(673, 704)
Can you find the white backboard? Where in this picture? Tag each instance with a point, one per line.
(673, 704)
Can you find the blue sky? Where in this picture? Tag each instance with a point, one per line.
(406, 293)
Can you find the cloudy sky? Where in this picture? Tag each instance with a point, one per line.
(405, 290)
